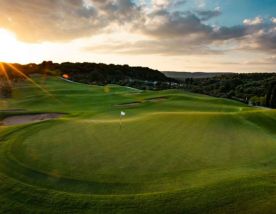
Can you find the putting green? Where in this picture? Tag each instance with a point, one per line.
(173, 152)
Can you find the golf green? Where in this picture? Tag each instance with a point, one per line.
(173, 152)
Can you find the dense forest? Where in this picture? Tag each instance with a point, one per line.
(254, 89)
(102, 74)
(89, 72)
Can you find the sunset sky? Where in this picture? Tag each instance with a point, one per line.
(176, 35)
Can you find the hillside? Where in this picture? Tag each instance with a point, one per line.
(173, 152)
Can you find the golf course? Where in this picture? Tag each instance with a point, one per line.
(65, 147)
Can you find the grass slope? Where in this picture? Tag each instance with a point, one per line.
(176, 152)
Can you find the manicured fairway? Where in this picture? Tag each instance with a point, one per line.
(174, 152)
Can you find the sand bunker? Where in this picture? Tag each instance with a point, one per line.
(31, 118)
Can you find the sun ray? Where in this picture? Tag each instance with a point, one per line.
(3, 69)
(32, 81)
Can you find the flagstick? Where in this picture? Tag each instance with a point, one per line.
(121, 118)
(120, 122)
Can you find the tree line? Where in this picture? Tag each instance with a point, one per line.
(252, 88)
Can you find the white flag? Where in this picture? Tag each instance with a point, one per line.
(123, 113)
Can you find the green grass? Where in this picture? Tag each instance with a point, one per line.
(184, 153)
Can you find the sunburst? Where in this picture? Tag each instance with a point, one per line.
(3, 70)
(5, 74)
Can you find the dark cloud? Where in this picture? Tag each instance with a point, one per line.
(175, 25)
(226, 33)
(267, 40)
(208, 14)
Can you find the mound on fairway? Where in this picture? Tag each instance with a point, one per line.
(175, 152)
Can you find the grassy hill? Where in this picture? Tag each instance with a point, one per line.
(174, 152)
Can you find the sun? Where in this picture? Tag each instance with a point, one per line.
(7, 41)
(11, 49)
(6, 37)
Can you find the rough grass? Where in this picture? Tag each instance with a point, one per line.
(187, 153)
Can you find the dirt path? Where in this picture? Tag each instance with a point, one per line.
(32, 118)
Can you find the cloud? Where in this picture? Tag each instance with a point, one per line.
(34, 20)
(227, 33)
(185, 33)
(169, 30)
(266, 39)
(160, 3)
(57, 20)
(174, 25)
(273, 20)
(201, 3)
(178, 3)
(179, 46)
(261, 38)
(256, 21)
(208, 14)
(167, 4)
(264, 61)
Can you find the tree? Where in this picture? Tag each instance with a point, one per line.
(271, 96)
